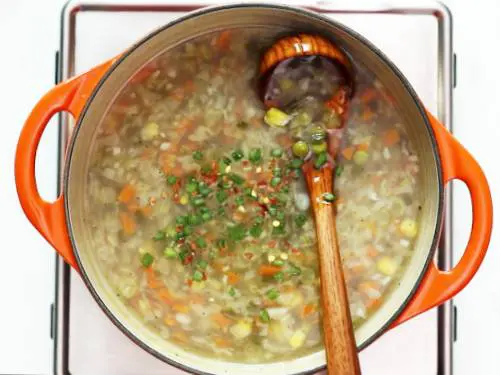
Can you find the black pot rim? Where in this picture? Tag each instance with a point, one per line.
(315, 15)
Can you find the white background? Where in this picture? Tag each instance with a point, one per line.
(29, 37)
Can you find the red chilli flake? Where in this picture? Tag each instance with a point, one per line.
(272, 244)
(189, 282)
(188, 260)
(249, 256)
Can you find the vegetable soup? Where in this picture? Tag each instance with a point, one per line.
(200, 216)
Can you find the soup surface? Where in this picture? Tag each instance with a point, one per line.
(201, 218)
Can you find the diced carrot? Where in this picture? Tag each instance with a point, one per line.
(368, 95)
(128, 223)
(153, 282)
(143, 74)
(391, 137)
(221, 320)
(348, 152)
(126, 194)
(233, 278)
(366, 286)
(197, 299)
(376, 180)
(147, 153)
(268, 270)
(132, 207)
(221, 342)
(358, 269)
(367, 115)
(189, 86)
(180, 308)
(169, 321)
(339, 200)
(147, 211)
(372, 251)
(165, 296)
(373, 303)
(363, 147)
(180, 336)
(308, 310)
(223, 40)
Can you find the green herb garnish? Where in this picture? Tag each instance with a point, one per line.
(160, 235)
(197, 155)
(272, 294)
(237, 233)
(171, 180)
(264, 316)
(237, 155)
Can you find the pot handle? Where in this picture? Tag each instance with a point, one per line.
(49, 218)
(438, 286)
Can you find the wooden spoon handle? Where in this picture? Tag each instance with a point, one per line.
(340, 345)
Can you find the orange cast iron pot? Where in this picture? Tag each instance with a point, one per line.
(52, 219)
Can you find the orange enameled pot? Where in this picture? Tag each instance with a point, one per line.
(88, 96)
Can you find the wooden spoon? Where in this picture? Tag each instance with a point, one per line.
(340, 344)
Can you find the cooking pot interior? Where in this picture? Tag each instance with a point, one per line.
(284, 21)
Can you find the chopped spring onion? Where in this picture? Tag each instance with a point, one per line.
(280, 276)
(237, 155)
(328, 197)
(339, 169)
(276, 153)
(171, 180)
(320, 160)
(255, 155)
(197, 275)
(197, 155)
(160, 235)
(273, 294)
(296, 163)
(264, 316)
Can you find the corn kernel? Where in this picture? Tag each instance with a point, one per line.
(409, 228)
(297, 339)
(184, 200)
(387, 266)
(150, 131)
(241, 329)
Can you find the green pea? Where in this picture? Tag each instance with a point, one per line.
(147, 259)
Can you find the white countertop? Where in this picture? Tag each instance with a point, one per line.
(29, 34)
